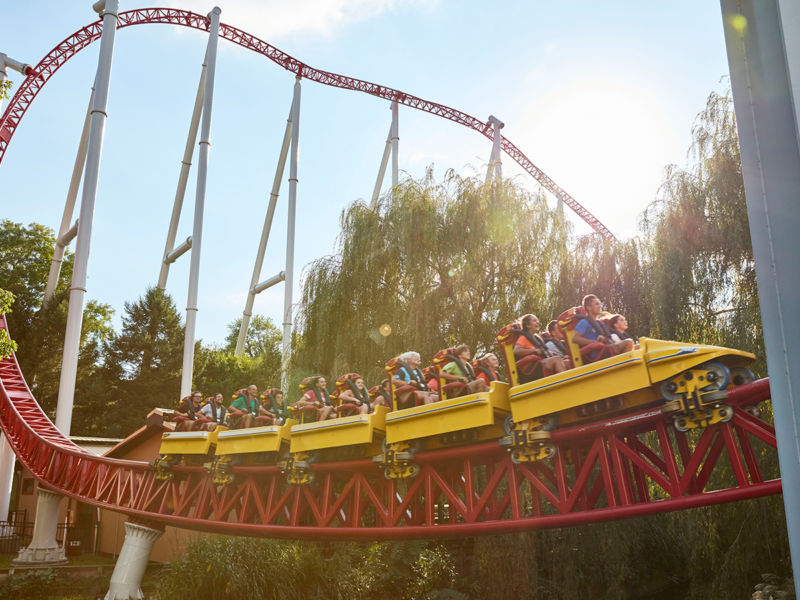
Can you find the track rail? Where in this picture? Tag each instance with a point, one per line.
(630, 466)
(79, 40)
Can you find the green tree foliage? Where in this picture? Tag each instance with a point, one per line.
(432, 265)
(699, 255)
(7, 345)
(25, 257)
(140, 368)
(263, 338)
(234, 568)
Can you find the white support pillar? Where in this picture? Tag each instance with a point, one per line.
(262, 245)
(77, 292)
(132, 562)
(495, 168)
(382, 170)
(5, 62)
(43, 547)
(183, 177)
(286, 345)
(6, 476)
(763, 45)
(392, 139)
(199, 204)
(6, 454)
(395, 142)
(69, 206)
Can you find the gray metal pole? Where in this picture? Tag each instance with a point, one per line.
(77, 292)
(183, 177)
(199, 204)
(395, 143)
(262, 245)
(382, 170)
(756, 35)
(286, 345)
(69, 205)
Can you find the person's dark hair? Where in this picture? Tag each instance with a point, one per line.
(194, 393)
(551, 326)
(384, 382)
(587, 299)
(525, 319)
(613, 320)
(459, 349)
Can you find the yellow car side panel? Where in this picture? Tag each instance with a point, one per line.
(342, 431)
(256, 439)
(188, 442)
(466, 412)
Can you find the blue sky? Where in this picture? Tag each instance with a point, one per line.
(601, 96)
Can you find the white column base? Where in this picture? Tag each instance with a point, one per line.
(7, 459)
(132, 562)
(43, 548)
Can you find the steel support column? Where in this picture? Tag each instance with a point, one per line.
(77, 292)
(69, 206)
(262, 245)
(286, 345)
(43, 547)
(199, 204)
(758, 35)
(183, 177)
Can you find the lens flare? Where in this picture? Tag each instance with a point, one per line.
(385, 330)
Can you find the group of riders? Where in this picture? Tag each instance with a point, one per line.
(537, 354)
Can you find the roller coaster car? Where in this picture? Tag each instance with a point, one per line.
(343, 438)
(187, 447)
(688, 380)
(255, 445)
(449, 422)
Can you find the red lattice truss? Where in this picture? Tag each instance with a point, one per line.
(32, 84)
(630, 466)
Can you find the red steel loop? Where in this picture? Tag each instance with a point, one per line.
(34, 82)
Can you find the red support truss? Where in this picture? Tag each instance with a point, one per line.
(32, 84)
(629, 466)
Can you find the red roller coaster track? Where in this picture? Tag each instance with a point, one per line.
(59, 55)
(629, 466)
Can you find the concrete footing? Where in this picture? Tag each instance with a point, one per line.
(132, 562)
(43, 548)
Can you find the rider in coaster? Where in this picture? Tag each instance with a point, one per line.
(215, 411)
(188, 412)
(318, 397)
(555, 344)
(594, 337)
(277, 407)
(359, 397)
(247, 403)
(409, 374)
(619, 326)
(487, 368)
(384, 396)
(525, 347)
(461, 371)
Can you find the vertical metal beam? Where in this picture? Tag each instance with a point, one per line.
(183, 178)
(395, 144)
(286, 345)
(495, 168)
(199, 203)
(69, 206)
(757, 36)
(262, 245)
(77, 292)
(382, 170)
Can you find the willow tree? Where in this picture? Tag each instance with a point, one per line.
(433, 264)
(701, 269)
